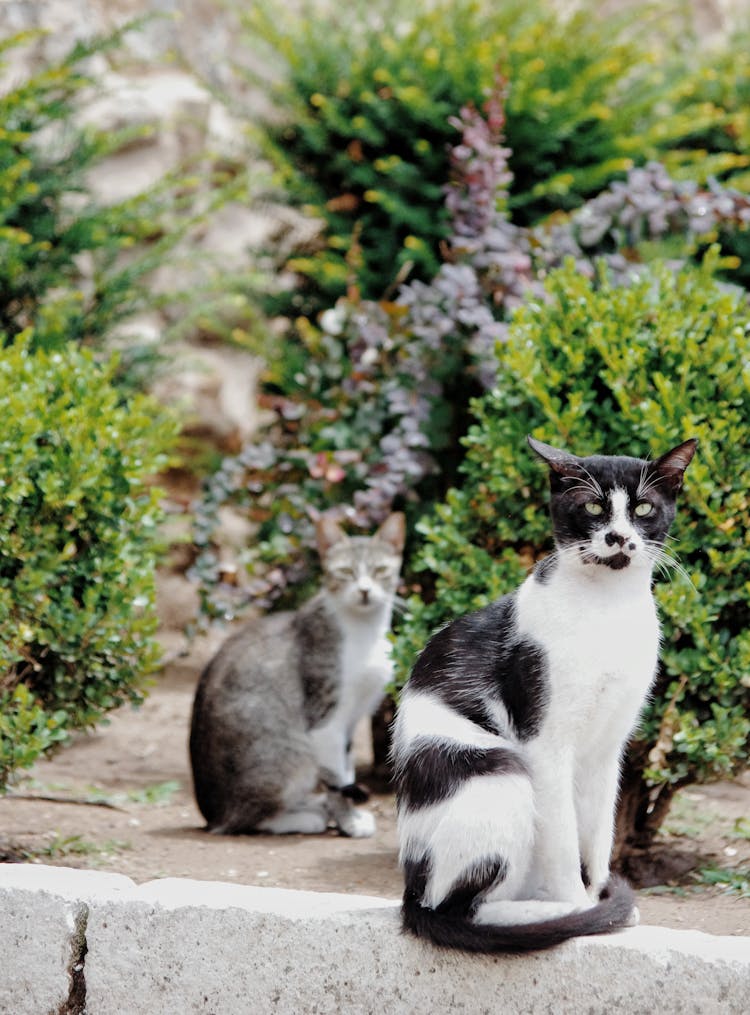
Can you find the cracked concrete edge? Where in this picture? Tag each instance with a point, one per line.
(189, 946)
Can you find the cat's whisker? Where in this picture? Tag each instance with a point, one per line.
(400, 605)
(645, 488)
(665, 562)
(584, 487)
(595, 485)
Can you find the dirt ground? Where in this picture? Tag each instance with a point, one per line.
(123, 802)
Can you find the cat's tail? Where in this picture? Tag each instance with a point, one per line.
(615, 910)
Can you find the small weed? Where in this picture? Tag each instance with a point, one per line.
(61, 846)
(157, 793)
(665, 890)
(67, 845)
(730, 881)
(741, 829)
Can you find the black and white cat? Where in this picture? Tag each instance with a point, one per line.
(275, 710)
(510, 731)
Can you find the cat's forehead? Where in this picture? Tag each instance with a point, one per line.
(614, 472)
(359, 550)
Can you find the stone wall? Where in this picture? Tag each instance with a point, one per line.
(162, 79)
(77, 941)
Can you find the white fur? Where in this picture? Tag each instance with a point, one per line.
(467, 828)
(423, 714)
(600, 633)
(365, 671)
(620, 524)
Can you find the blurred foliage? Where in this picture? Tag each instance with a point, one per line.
(367, 405)
(73, 267)
(605, 369)
(364, 96)
(78, 539)
(78, 520)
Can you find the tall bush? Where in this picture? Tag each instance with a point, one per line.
(78, 541)
(601, 368)
(364, 97)
(368, 404)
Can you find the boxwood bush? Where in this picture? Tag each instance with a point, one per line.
(600, 368)
(78, 538)
(78, 518)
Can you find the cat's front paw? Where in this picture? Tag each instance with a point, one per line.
(356, 824)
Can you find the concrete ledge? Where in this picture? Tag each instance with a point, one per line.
(178, 946)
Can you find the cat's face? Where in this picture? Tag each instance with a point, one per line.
(361, 573)
(613, 511)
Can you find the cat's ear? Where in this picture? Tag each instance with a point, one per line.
(393, 531)
(328, 532)
(561, 462)
(670, 468)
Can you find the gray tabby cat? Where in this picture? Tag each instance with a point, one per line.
(275, 710)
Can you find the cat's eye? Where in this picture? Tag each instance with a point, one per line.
(343, 572)
(593, 508)
(643, 508)
(382, 571)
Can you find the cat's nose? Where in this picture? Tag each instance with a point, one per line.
(614, 537)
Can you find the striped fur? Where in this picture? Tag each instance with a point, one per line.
(509, 734)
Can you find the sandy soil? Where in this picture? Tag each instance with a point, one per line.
(123, 803)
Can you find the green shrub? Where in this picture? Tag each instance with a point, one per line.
(599, 368)
(78, 537)
(48, 220)
(51, 224)
(367, 95)
(368, 404)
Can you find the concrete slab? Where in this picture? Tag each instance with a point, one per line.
(176, 946)
(43, 916)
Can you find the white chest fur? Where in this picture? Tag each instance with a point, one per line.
(365, 664)
(600, 635)
(365, 669)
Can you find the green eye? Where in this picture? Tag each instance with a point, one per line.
(643, 509)
(593, 508)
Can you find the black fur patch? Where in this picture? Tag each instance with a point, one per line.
(355, 792)
(467, 893)
(416, 873)
(480, 657)
(616, 562)
(318, 639)
(434, 770)
(544, 569)
(522, 677)
(448, 930)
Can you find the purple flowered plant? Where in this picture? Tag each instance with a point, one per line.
(368, 423)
